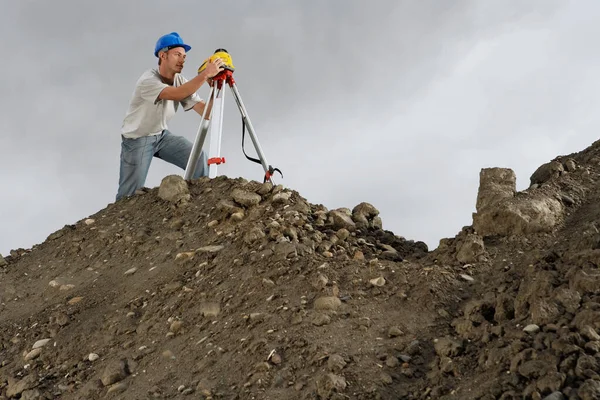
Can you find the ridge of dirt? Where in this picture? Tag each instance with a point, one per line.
(232, 289)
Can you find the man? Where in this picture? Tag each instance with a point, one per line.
(158, 94)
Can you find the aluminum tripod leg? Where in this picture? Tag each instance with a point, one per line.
(216, 130)
(200, 138)
(261, 156)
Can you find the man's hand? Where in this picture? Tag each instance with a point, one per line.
(214, 67)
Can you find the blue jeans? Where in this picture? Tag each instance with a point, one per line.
(136, 155)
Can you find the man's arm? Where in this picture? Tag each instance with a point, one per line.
(193, 85)
(199, 108)
(187, 89)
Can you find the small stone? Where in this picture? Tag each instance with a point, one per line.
(93, 357)
(245, 198)
(210, 309)
(75, 300)
(184, 256)
(532, 328)
(282, 197)
(210, 249)
(327, 303)
(321, 319)
(213, 223)
(336, 363)
(40, 343)
(467, 278)
(395, 331)
(89, 221)
(118, 387)
(174, 188)
(33, 354)
(176, 326)
(130, 271)
(181, 388)
(378, 281)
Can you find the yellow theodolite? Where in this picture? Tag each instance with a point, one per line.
(223, 55)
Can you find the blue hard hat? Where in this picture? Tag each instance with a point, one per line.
(170, 40)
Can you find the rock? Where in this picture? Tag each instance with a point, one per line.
(245, 198)
(228, 207)
(40, 343)
(282, 198)
(16, 388)
(32, 394)
(470, 249)
(3, 262)
(35, 353)
(569, 298)
(327, 303)
(570, 165)
(341, 219)
(519, 216)
(329, 384)
(569, 201)
(210, 309)
(210, 249)
(321, 319)
(590, 333)
(495, 185)
(115, 372)
(93, 357)
(543, 312)
(555, 396)
(589, 390)
(378, 282)
(119, 387)
(532, 328)
(176, 326)
(448, 347)
(336, 363)
(174, 188)
(395, 331)
(547, 171)
(253, 235)
(364, 214)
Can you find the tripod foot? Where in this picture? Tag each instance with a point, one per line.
(270, 172)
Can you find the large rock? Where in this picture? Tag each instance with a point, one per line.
(342, 218)
(501, 212)
(174, 188)
(245, 198)
(545, 172)
(495, 185)
(519, 216)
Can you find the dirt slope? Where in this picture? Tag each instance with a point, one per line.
(228, 289)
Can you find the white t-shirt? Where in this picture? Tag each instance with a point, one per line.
(147, 115)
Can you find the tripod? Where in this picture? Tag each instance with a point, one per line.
(215, 125)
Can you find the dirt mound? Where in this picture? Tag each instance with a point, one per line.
(229, 289)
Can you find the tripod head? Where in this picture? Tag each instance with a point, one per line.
(223, 55)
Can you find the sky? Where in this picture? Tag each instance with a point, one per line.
(396, 103)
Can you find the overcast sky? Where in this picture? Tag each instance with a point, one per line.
(397, 103)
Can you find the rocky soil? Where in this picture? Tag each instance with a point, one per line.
(233, 289)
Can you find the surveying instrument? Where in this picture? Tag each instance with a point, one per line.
(214, 124)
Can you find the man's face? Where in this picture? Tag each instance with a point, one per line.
(175, 58)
